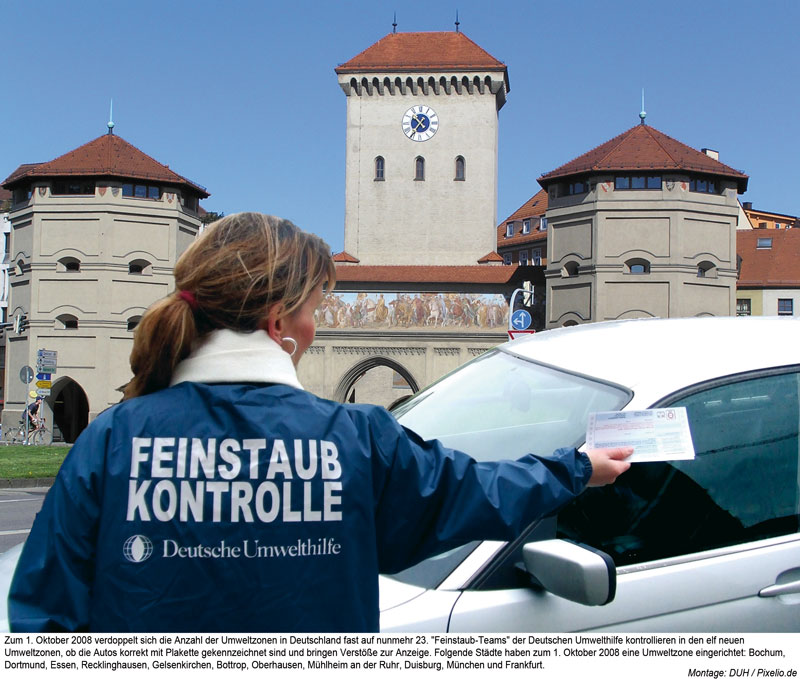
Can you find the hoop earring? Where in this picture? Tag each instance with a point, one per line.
(294, 345)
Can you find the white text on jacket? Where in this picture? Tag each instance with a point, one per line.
(192, 479)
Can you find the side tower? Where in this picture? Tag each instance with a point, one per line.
(95, 235)
(421, 159)
(642, 225)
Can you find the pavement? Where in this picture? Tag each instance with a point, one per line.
(27, 483)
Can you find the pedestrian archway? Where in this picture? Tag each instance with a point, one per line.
(70, 409)
(391, 381)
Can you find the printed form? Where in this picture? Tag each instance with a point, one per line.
(655, 435)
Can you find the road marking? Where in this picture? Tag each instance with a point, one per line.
(15, 532)
(27, 499)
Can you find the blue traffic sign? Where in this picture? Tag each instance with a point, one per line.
(520, 320)
(44, 376)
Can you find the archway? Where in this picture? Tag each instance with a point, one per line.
(70, 410)
(344, 390)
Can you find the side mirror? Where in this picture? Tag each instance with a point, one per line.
(576, 572)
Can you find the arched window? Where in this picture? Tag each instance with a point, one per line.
(569, 269)
(379, 169)
(67, 322)
(133, 321)
(706, 270)
(637, 266)
(419, 169)
(69, 264)
(461, 171)
(139, 266)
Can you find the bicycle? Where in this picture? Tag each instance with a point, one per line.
(39, 435)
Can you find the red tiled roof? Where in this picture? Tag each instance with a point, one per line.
(644, 148)
(4, 194)
(425, 274)
(106, 156)
(490, 257)
(439, 51)
(345, 258)
(775, 267)
(534, 207)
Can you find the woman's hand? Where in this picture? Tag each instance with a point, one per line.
(608, 464)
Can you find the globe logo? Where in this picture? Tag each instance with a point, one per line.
(137, 548)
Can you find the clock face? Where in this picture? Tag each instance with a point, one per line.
(420, 123)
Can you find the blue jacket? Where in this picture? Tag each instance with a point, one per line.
(252, 507)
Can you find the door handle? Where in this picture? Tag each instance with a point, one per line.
(778, 590)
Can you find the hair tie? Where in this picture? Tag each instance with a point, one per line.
(189, 298)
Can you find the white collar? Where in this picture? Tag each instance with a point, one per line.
(229, 356)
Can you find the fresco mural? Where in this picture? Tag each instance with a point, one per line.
(408, 311)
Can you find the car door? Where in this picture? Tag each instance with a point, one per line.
(704, 544)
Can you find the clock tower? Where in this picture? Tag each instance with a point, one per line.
(421, 158)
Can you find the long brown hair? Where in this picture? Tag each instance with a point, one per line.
(229, 277)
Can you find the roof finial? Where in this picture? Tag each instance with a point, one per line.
(643, 113)
(394, 23)
(457, 21)
(111, 118)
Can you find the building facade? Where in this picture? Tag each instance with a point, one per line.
(763, 219)
(769, 276)
(421, 158)
(640, 226)
(95, 235)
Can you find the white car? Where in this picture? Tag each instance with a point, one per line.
(704, 544)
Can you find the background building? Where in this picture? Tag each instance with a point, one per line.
(421, 160)
(642, 225)
(769, 277)
(95, 235)
(762, 219)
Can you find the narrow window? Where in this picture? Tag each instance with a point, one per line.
(742, 307)
(537, 257)
(523, 257)
(379, 169)
(526, 226)
(419, 169)
(509, 229)
(460, 169)
(543, 224)
(507, 258)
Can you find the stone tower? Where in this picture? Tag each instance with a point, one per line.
(421, 160)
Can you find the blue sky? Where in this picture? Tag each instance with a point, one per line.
(241, 96)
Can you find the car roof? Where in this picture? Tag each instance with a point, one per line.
(657, 356)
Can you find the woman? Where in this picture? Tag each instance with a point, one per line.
(221, 496)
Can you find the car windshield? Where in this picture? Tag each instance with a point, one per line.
(500, 406)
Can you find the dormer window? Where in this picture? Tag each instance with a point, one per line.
(141, 191)
(637, 182)
(526, 226)
(72, 188)
(509, 229)
(543, 224)
(703, 185)
(764, 244)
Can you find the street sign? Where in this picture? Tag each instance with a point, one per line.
(520, 320)
(43, 376)
(44, 384)
(26, 374)
(43, 392)
(514, 334)
(46, 353)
